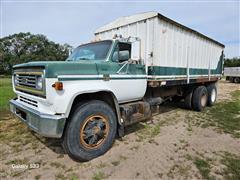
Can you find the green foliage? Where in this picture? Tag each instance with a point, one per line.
(148, 132)
(25, 47)
(6, 93)
(234, 62)
(203, 167)
(98, 176)
(226, 115)
(232, 163)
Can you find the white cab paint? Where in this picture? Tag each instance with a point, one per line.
(125, 90)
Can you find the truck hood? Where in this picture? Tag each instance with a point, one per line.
(56, 68)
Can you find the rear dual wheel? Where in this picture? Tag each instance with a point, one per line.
(236, 80)
(212, 94)
(231, 79)
(188, 99)
(200, 97)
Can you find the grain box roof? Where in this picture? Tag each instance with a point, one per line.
(126, 20)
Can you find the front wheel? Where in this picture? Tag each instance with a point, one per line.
(91, 131)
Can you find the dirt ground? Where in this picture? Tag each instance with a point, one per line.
(164, 148)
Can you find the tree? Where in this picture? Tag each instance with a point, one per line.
(25, 47)
(233, 62)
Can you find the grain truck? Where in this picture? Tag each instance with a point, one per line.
(232, 74)
(134, 64)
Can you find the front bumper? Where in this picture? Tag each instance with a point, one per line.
(44, 124)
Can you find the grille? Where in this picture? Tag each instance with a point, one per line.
(26, 80)
(28, 101)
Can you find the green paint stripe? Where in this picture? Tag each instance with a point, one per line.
(168, 71)
(180, 78)
(169, 77)
(74, 79)
(111, 78)
(174, 71)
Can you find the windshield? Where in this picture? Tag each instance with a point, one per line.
(91, 51)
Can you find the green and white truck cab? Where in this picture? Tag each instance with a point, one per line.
(107, 85)
(48, 91)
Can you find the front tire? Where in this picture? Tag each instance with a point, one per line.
(91, 131)
(199, 99)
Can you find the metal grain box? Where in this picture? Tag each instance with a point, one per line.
(169, 49)
(232, 71)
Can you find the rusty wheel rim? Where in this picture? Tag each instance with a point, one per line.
(94, 131)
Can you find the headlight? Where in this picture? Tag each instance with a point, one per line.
(15, 79)
(39, 82)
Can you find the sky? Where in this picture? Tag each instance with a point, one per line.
(74, 22)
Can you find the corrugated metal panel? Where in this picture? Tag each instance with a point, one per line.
(126, 20)
(171, 45)
(232, 71)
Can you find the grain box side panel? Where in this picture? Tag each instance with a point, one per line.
(177, 49)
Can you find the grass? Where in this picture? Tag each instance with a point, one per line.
(16, 132)
(98, 176)
(232, 163)
(179, 169)
(24, 161)
(230, 170)
(37, 177)
(148, 132)
(226, 115)
(101, 165)
(115, 163)
(60, 176)
(57, 165)
(6, 93)
(73, 177)
(203, 167)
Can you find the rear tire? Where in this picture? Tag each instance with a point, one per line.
(236, 80)
(91, 131)
(212, 94)
(188, 99)
(199, 99)
(231, 79)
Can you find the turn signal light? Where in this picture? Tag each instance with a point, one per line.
(58, 86)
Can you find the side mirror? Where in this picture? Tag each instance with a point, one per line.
(135, 51)
(123, 55)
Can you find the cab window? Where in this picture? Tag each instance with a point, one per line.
(122, 52)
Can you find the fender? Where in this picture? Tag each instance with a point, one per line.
(116, 105)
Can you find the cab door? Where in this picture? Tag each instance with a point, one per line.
(127, 80)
